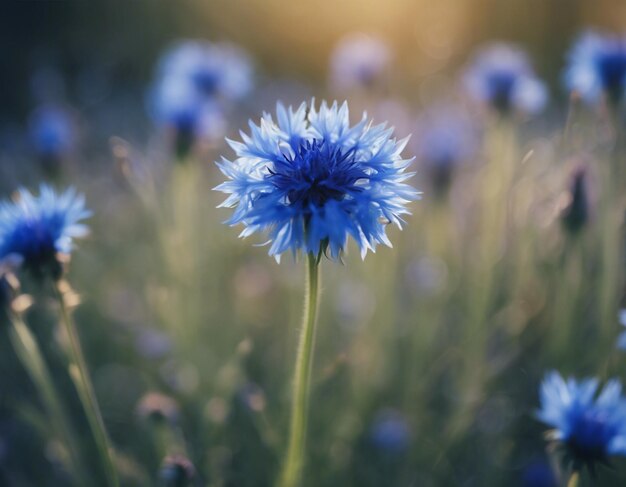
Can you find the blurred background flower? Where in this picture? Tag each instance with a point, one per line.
(500, 76)
(359, 61)
(597, 67)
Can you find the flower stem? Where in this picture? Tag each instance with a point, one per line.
(80, 378)
(290, 476)
(30, 355)
(573, 480)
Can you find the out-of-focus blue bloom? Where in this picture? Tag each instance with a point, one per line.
(190, 115)
(501, 77)
(176, 471)
(445, 138)
(621, 341)
(219, 70)
(597, 66)
(51, 132)
(390, 432)
(193, 81)
(590, 428)
(359, 60)
(36, 229)
(539, 474)
(310, 180)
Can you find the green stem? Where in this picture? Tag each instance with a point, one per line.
(291, 473)
(573, 480)
(30, 355)
(78, 374)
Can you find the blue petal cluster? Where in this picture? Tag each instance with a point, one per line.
(590, 426)
(35, 229)
(310, 180)
(193, 80)
(390, 432)
(51, 131)
(501, 77)
(445, 138)
(359, 60)
(597, 66)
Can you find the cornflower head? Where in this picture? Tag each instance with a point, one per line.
(214, 69)
(52, 136)
(187, 114)
(501, 77)
(310, 180)
(194, 81)
(358, 61)
(597, 67)
(445, 139)
(589, 426)
(40, 230)
(176, 471)
(390, 432)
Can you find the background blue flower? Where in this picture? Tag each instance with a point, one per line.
(445, 138)
(597, 66)
(37, 228)
(310, 180)
(501, 76)
(194, 83)
(51, 131)
(358, 61)
(590, 428)
(390, 432)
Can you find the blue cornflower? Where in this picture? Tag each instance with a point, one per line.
(194, 79)
(311, 180)
(390, 432)
(501, 77)
(359, 60)
(191, 116)
(597, 66)
(621, 341)
(214, 69)
(39, 229)
(51, 132)
(589, 428)
(446, 138)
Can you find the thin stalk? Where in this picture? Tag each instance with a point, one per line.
(32, 359)
(573, 480)
(292, 468)
(78, 374)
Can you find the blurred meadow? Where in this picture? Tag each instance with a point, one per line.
(429, 355)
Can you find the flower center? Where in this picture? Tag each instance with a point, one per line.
(317, 173)
(590, 436)
(501, 87)
(207, 80)
(612, 69)
(34, 243)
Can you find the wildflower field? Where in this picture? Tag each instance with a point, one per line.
(335, 244)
